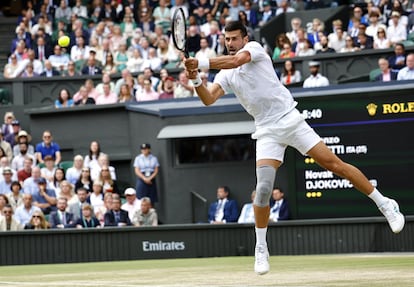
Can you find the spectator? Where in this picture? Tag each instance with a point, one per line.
(5, 164)
(88, 220)
(166, 52)
(279, 209)
(7, 126)
(66, 190)
(64, 99)
(290, 75)
(49, 71)
(56, 183)
(148, 93)
(106, 78)
(15, 196)
(306, 49)
(124, 75)
(76, 207)
(337, 39)
(63, 12)
(103, 160)
(37, 221)
(108, 181)
(162, 15)
(381, 41)
(363, 42)
(146, 167)
(48, 147)
(128, 26)
(146, 215)
(295, 24)
(84, 180)
(80, 10)
(407, 73)
(91, 159)
(224, 210)
(193, 40)
(287, 52)
(84, 97)
(315, 79)
(73, 173)
(58, 59)
(247, 213)
(251, 14)
(153, 61)
(281, 39)
(79, 51)
(44, 198)
(23, 137)
(36, 65)
(100, 212)
(125, 95)
(12, 137)
(42, 49)
(284, 7)
(71, 71)
(28, 72)
(9, 222)
(149, 74)
(6, 147)
(184, 88)
(349, 45)
(136, 62)
(121, 57)
(26, 171)
(107, 97)
(116, 216)
(374, 24)
(267, 14)
(60, 218)
(18, 160)
(25, 211)
(396, 31)
(317, 26)
(30, 184)
(110, 67)
(355, 19)
(397, 61)
(167, 87)
(324, 42)
(5, 183)
(11, 67)
(205, 51)
(132, 204)
(91, 68)
(96, 197)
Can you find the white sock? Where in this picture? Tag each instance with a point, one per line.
(261, 235)
(377, 197)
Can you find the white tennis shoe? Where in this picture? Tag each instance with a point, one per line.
(261, 261)
(392, 213)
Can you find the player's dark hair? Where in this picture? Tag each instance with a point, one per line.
(234, 26)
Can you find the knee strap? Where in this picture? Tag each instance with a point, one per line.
(265, 180)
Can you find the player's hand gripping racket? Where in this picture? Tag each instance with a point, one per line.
(179, 31)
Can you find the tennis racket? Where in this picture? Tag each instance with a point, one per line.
(179, 31)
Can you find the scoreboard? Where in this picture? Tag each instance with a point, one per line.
(373, 132)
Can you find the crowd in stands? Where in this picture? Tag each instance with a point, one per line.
(112, 37)
(39, 190)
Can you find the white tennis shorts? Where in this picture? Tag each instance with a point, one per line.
(291, 130)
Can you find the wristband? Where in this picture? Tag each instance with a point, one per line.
(197, 81)
(204, 63)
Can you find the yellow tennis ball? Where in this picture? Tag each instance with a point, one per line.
(64, 41)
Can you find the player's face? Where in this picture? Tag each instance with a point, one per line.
(235, 41)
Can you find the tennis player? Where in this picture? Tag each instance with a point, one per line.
(248, 73)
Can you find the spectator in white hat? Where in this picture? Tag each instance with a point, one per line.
(315, 79)
(132, 203)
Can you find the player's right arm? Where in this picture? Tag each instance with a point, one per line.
(207, 95)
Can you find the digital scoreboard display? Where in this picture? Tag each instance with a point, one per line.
(374, 133)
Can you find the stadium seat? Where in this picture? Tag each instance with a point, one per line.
(373, 74)
(4, 97)
(66, 164)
